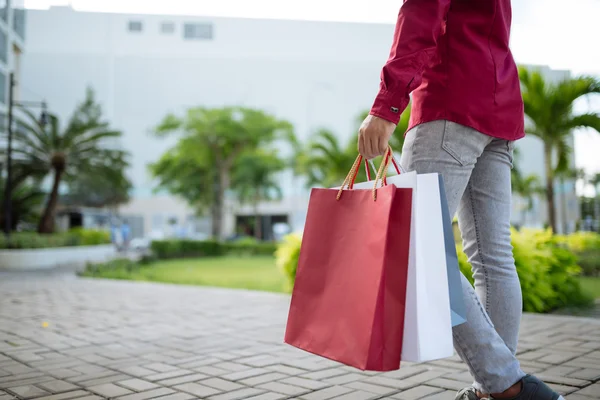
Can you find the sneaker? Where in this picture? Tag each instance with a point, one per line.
(533, 389)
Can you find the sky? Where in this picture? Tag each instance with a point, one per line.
(545, 32)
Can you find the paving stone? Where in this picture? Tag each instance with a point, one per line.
(137, 371)
(367, 387)
(586, 374)
(168, 375)
(109, 390)
(197, 389)
(76, 394)
(563, 380)
(182, 379)
(447, 395)
(358, 395)
(257, 380)
(221, 384)
(63, 373)
(590, 391)
(305, 383)
(57, 386)
(562, 389)
(575, 396)
(28, 391)
(177, 396)
(212, 371)
(160, 367)
(417, 392)
(283, 388)
(268, 396)
(342, 379)
(285, 369)
(102, 381)
(151, 394)
(446, 384)
(393, 383)
(137, 385)
(237, 394)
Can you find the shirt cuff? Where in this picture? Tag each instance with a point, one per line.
(389, 106)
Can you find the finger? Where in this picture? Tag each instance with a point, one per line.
(382, 146)
(370, 148)
(361, 145)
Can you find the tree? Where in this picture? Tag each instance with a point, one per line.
(80, 148)
(210, 142)
(550, 116)
(527, 187)
(255, 180)
(107, 187)
(27, 199)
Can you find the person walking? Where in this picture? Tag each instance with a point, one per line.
(467, 113)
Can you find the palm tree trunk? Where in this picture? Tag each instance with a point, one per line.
(550, 187)
(563, 206)
(47, 221)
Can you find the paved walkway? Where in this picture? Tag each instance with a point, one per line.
(67, 338)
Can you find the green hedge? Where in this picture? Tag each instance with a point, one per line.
(169, 249)
(33, 240)
(547, 269)
(586, 246)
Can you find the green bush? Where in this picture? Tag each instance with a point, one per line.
(586, 246)
(33, 240)
(165, 249)
(121, 268)
(91, 237)
(287, 256)
(547, 270)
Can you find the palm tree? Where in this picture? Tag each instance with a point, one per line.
(254, 180)
(79, 148)
(549, 110)
(325, 161)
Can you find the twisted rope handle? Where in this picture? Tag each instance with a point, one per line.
(381, 173)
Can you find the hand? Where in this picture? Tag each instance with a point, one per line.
(374, 136)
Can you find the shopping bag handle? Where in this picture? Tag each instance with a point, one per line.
(381, 173)
(397, 166)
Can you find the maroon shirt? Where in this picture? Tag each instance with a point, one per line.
(453, 55)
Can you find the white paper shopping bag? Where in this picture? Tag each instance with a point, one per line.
(427, 323)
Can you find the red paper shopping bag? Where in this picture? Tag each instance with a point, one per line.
(348, 299)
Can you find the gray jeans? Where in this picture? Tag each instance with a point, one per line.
(476, 171)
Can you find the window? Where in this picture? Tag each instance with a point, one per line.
(4, 9)
(2, 89)
(167, 27)
(19, 18)
(198, 31)
(135, 26)
(3, 46)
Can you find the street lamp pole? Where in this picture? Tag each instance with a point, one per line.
(8, 183)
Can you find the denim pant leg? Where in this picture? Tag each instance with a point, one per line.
(454, 151)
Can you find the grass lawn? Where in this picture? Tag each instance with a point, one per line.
(591, 285)
(254, 273)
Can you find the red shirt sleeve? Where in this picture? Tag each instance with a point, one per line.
(415, 40)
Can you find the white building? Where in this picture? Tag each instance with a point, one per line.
(314, 74)
(12, 46)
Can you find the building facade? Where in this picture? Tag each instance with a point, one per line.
(142, 67)
(12, 47)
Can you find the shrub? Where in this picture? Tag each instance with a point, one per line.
(91, 237)
(164, 249)
(586, 246)
(287, 256)
(75, 237)
(547, 271)
(120, 268)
